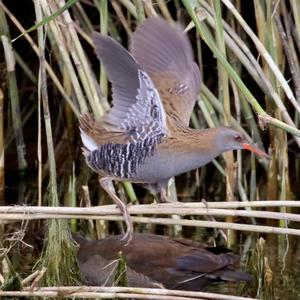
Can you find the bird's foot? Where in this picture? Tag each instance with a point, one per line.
(128, 221)
(164, 198)
(107, 185)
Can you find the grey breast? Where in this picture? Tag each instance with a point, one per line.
(166, 164)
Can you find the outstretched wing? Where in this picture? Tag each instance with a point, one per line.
(165, 53)
(137, 107)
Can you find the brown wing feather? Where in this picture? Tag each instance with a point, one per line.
(97, 132)
(178, 99)
(165, 53)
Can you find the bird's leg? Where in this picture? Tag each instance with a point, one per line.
(163, 187)
(163, 195)
(105, 183)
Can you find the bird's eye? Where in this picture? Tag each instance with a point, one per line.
(238, 138)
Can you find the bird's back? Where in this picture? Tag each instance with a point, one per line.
(154, 259)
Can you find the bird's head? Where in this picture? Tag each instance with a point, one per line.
(231, 139)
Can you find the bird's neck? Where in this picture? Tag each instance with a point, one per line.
(207, 140)
(195, 148)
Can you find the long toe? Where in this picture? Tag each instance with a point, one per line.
(128, 234)
(164, 197)
(129, 230)
(106, 183)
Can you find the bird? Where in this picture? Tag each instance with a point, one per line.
(156, 261)
(145, 137)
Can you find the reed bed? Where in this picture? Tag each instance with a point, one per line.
(249, 59)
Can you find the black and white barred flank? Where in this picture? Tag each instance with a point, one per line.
(122, 160)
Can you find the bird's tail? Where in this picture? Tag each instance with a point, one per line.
(89, 128)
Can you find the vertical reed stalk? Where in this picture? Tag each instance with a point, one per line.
(103, 29)
(130, 7)
(295, 5)
(14, 101)
(263, 34)
(71, 197)
(39, 152)
(223, 88)
(34, 47)
(58, 256)
(139, 10)
(2, 149)
(2, 170)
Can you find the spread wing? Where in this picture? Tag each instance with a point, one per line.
(137, 107)
(165, 53)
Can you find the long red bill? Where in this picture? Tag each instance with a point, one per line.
(256, 150)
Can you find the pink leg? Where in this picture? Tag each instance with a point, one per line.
(163, 196)
(105, 183)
